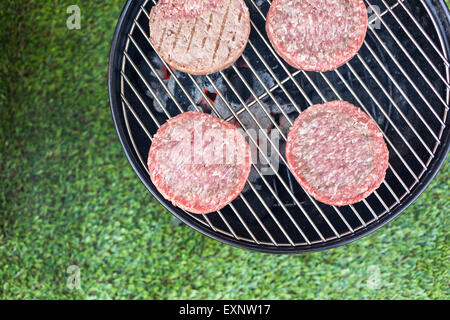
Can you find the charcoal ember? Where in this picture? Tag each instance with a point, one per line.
(159, 66)
(162, 82)
(188, 86)
(265, 78)
(223, 107)
(194, 108)
(239, 86)
(152, 81)
(210, 86)
(230, 100)
(207, 84)
(161, 93)
(260, 2)
(256, 117)
(282, 109)
(280, 102)
(255, 82)
(264, 154)
(298, 90)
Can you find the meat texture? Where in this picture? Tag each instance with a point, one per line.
(317, 35)
(200, 36)
(337, 153)
(199, 162)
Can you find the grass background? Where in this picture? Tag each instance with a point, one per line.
(69, 197)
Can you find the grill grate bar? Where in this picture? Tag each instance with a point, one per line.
(416, 44)
(377, 80)
(244, 199)
(383, 111)
(410, 81)
(139, 96)
(410, 103)
(408, 55)
(426, 35)
(443, 55)
(272, 89)
(137, 117)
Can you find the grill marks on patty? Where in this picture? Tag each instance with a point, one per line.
(222, 28)
(192, 34)
(202, 44)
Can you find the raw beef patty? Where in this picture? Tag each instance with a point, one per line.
(337, 153)
(199, 162)
(317, 35)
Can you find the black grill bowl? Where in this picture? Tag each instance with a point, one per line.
(400, 78)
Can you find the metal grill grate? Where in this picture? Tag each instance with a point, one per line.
(400, 77)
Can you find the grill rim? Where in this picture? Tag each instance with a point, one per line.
(124, 24)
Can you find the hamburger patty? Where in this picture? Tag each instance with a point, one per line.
(317, 35)
(200, 36)
(337, 153)
(199, 162)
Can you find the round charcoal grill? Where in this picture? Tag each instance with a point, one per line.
(400, 78)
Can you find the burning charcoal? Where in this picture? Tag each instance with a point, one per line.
(287, 108)
(263, 121)
(188, 86)
(205, 83)
(231, 99)
(223, 108)
(151, 80)
(266, 78)
(210, 86)
(259, 3)
(159, 67)
(161, 93)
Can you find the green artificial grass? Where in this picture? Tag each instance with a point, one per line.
(68, 196)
